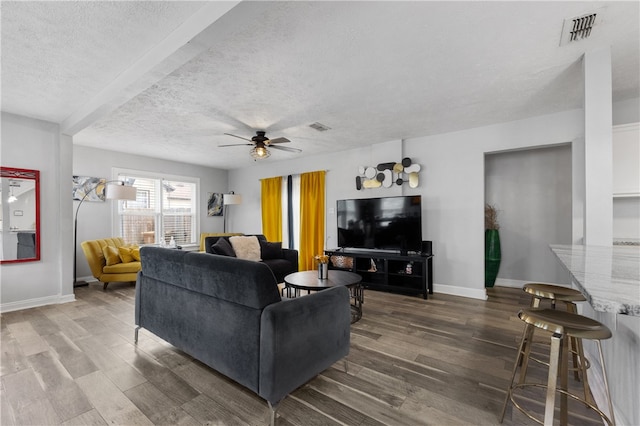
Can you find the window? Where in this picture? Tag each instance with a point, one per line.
(165, 207)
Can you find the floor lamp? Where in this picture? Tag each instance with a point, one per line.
(230, 199)
(111, 192)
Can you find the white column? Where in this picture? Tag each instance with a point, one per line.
(598, 136)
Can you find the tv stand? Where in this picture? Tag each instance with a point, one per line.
(387, 271)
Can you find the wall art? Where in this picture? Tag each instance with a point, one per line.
(387, 174)
(215, 207)
(91, 187)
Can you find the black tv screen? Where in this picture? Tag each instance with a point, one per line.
(388, 223)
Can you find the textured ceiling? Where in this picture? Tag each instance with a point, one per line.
(371, 71)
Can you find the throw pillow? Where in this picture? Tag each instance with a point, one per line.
(246, 247)
(135, 252)
(223, 248)
(111, 255)
(126, 254)
(270, 250)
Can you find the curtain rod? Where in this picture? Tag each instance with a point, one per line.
(326, 171)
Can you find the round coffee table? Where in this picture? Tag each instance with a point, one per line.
(309, 281)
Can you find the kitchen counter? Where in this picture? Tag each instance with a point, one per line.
(609, 277)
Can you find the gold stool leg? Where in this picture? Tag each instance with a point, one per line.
(524, 354)
(564, 382)
(515, 367)
(535, 302)
(554, 354)
(579, 361)
(583, 373)
(575, 346)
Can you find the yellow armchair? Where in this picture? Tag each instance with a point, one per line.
(118, 272)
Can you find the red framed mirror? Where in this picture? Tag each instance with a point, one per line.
(20, 215)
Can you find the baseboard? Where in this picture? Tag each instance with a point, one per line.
(505, 282)
(34, 303)
(460, 291)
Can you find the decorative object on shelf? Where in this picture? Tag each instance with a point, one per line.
(111, 192)
(323, 266)
(215, 207)
(386, 174)
(373, 267)
(344, 262)
(492, 254)
(230, 199)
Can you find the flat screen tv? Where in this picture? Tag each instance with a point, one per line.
(387, 223)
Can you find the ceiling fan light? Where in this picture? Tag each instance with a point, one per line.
(260, 152)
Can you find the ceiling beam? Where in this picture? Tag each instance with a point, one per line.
(187, 41)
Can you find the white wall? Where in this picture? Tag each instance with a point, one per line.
(34, 144)
(451, 185)
(95, 219)
(532, 191)
(454, 189)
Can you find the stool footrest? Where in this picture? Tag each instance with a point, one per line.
(562, 391)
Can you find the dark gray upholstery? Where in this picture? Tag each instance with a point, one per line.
(227, 313)
(281, 266)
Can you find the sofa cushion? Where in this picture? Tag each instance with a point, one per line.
(111, 255)
(246, 248)
(223, 248)
(270, 250)
(280, 268)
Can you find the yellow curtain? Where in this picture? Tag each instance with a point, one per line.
(271, 196)
(311, 218)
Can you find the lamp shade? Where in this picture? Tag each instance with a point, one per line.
(120, 192)
(230, 199)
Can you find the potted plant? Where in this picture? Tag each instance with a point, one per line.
(492, 255)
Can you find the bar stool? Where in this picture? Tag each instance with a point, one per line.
(563, 325)
(556, 293)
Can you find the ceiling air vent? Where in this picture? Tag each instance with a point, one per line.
(579, 28)
(319, 127)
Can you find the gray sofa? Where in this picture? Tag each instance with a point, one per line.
(281, 261)
(227, 313)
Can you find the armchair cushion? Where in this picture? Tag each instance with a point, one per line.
(126, 254)
(111, 255)
(122, 268)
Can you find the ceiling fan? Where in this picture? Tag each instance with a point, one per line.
(260, 143)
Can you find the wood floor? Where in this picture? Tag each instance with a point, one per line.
(443, 361)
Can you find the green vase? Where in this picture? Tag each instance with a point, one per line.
(492, 256)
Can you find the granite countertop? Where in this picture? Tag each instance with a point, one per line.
(609, 277)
